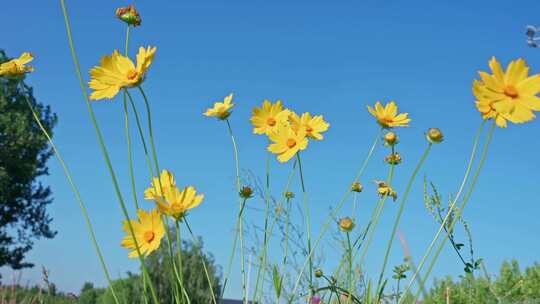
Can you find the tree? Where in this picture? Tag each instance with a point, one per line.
(24, 152)
(159, 266)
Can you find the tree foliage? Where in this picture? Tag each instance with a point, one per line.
(24, 152)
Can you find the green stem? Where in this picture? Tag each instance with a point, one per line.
(350, 272)
(179, 253)
(130, 153)
(308, 219)
(150, 129)
(400, 212)
(102, 143)
(463, 204)
(78, 197)
(451, 207)
(376, 215)
(333, 214)
(197, 242)
(239, 221)
(262, 267)
(141, 135)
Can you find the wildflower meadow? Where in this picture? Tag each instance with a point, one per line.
(303, 211)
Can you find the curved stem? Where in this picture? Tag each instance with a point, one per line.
(239, 222)
(208, 280)
(463, 205)
(78, 197)
(400, 212)
(102, 144)
(451, 207)
(334, 212)
(308, 219)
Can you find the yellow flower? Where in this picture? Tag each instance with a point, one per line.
(148, 231)
(117, 71)
(314, 125)
(385, 190)
(287, 142)
(221, 109)
(346, 224)
(166, 181)
(17, 67)
(510, 95)
(176, 203)
(388, 117)
(269, 117)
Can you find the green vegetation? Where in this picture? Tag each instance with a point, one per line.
(24, 151)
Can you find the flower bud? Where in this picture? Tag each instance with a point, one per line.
(434, 135)
(390, 139)
(129, 15)
(318, 273)
(246, 192)
(393, 159)
(289, 195)
(357, 187)
(346, 224)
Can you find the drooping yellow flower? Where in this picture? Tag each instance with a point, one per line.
(314, 125)
(148, 231)
(117, 71)
(287, 142)
(166, 180)
(385, 190)
(507, 96)
(221, 109)
(17, 67)
(388, 117)
(269, 117)
(176, 203)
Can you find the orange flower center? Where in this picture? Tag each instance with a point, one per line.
(309, 129)
(291, 142)
(132, 75)
(149, 236)
(271, 121)
(511, 91)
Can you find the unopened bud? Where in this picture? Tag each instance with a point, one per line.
(318, 273)
(434, 135)
(246, 192)
(346, 224)
(390, 139)
(357, 187)
(129, 15)
(289, 195)
(393, 159)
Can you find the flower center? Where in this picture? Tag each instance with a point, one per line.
(291, 143)
(309, 129)
(132, 75)
(271, 121)
(511, 91)
(149, 236)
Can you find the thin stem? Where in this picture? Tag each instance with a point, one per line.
(441, 228)
(130, 153)
(463, 204)
(197, 242)
(350, 272)
(102, 143)
(308, 219)
(335, 211)
(150, 129)
(239, 222)
(78, 197)
(262, 267)
(141, 134)
(179, 253)
(400, 212)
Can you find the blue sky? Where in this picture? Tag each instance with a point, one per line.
(326, 57)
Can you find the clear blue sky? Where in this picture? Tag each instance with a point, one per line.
(326, 57)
